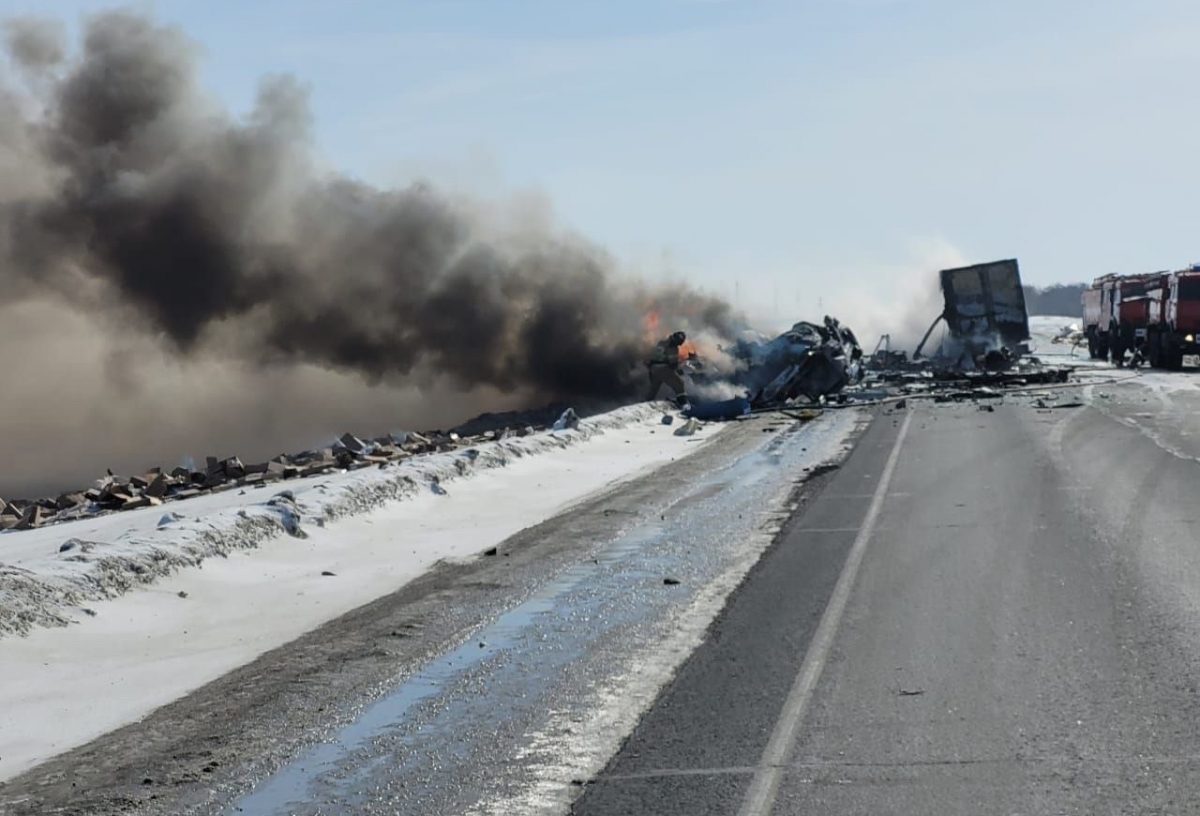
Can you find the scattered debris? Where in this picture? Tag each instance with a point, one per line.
(114, 493)
(568, 421)
(821, 470)
(30, 518)
(170, 518)
(670, 581)
(983, 355)
(727, 409)
(1041, 403)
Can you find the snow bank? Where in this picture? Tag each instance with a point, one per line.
(49, 576)
(179, 631)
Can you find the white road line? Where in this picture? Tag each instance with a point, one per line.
(760, 798)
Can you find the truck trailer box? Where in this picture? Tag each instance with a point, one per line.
(986, 301)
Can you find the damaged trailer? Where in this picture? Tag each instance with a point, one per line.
(985, 315)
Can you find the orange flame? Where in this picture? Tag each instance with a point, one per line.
(650, 329)
(650, 326)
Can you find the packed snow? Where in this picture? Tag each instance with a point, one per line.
(114, 609)
(1043, 329)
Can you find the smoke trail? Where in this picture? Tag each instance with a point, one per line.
(171, 235)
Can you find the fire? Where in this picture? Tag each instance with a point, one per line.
(650, 330)
(650, 326)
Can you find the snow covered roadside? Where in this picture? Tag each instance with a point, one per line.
(61, 687)
(1044, 328)
(50, 576)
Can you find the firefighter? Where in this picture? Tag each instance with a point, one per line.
(663, 367)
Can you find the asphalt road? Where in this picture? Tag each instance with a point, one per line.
(487, 685)
(983, 612)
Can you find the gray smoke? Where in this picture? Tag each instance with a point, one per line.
(171, 275)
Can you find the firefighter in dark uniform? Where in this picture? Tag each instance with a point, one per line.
(664, 368)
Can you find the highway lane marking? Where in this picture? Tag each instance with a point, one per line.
(932, 764)
(760, 798)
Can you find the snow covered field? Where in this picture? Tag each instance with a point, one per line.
(1044, 328)
(150, 606)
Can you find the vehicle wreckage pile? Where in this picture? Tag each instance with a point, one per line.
(985, 346)
(809, 362)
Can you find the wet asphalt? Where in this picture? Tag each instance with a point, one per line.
(1022, 635)
(483, 728)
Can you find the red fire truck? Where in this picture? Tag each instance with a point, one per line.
(1157, 314)
(1098, 315)
(1116, 313)
(1173, 318)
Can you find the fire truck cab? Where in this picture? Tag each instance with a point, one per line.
(1174, 323)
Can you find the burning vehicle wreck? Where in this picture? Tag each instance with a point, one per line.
(984, 347)
(986, 319)
(809, 362)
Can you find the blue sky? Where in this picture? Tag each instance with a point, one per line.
(808, 150)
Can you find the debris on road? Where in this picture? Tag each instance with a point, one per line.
(1041, 403)
(725, 409)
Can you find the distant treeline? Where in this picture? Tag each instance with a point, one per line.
(1059, 299)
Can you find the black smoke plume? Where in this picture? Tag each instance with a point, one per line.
(159, 240)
